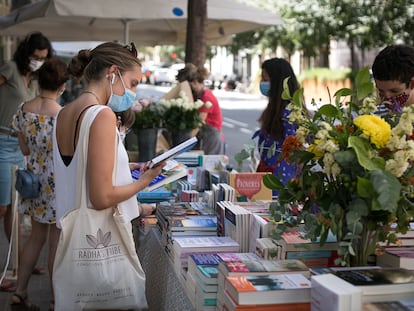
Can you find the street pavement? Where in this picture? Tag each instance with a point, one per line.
(39, 288)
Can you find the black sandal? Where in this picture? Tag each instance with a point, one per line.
(23, 304)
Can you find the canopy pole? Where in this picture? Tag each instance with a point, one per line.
(126, 30)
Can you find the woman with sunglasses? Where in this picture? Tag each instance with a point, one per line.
(112, 73)
(18, 83)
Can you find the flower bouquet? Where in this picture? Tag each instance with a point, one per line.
(356, 174)
(181, 112)
(147, 115)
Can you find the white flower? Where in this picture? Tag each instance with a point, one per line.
(208, 104)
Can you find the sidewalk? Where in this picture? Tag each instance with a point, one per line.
(39, 287)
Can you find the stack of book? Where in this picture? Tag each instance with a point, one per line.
(185, 219)
(293, 245)
(202, 277)
(183, 247)
(255, 266)
(267, 248)
(383, 284)
(374, 283)
(397, 257)
(405, 239)
(190, 158)
(158, 195)
(330, 292)
(236, 223)
(266, 292)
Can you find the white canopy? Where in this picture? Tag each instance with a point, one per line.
(147, 22)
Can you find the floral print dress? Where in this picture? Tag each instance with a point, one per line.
(37, 132)
(270, 150)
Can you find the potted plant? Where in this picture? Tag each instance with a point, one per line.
(357, 175)
(181, 116)
(148, 120)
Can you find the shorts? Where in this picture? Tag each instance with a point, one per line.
(10, 154)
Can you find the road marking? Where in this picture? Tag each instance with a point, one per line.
(229, 125)
(246, 131)
(235, 122)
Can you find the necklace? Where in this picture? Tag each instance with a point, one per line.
(45, 97)
(90, 92)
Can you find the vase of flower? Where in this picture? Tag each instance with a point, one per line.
(357, 174)
(147, 144)
(180, 136)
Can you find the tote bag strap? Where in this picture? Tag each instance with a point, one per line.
(83, 143)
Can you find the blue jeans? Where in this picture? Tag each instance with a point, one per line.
(10, 154)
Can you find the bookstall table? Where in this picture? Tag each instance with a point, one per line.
(164, 290)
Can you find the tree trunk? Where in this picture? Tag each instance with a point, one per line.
(195, 47)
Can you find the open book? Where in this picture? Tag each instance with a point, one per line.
(184, 146)
(171, 172)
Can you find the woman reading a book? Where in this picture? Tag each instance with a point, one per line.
(112, 73)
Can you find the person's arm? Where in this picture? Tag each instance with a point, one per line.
(22, 143)
(101, 156)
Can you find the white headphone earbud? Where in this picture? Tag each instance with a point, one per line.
(113, 78)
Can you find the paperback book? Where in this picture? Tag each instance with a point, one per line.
(380, 284)
(268, 289)
(173, 171)
(397, 257)
(330, 292)
(249, 187)
(171, 153)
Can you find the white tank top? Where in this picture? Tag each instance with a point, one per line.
(65, 178)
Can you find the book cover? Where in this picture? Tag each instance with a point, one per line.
(192, 222)
(398, 257)
(267, 289)
(184, 146)
(330, 292)
(263, 267)
(226, 303)
(171, 172)
(249, 187)
(380, 283)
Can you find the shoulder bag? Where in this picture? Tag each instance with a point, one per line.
(27, 184)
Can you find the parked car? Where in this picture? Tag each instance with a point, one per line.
(165, 74)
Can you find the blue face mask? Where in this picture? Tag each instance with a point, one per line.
(121, 103)
(265, 87)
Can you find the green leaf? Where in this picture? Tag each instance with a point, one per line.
(329, 111)
(271, 182)
(286, 93)
(241, 156)
(364, 85)
(388, 189)
(364, 188)
(364, 90)
(363, 152)
(343, 92)
(362, 76)
(298, 97)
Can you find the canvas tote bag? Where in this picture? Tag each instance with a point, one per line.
(96, 265)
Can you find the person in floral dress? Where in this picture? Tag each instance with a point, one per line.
(33, 123)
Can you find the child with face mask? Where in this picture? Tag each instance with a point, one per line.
(393, 71)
